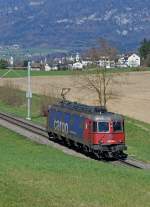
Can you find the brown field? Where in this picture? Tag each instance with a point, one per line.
(133, 97)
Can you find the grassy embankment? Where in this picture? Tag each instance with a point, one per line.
(14, 101)
(35, 175)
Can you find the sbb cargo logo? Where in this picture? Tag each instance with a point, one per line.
(61, 126)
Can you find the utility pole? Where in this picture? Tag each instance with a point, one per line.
(29, 93)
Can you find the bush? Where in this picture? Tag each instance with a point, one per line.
(11, 95)
(147, 61)
(45, 102)
(3, 64)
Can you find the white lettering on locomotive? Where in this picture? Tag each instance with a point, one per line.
(61, 126)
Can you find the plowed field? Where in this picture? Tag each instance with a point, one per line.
(133, 92)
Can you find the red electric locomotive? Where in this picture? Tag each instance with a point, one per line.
(89, 127)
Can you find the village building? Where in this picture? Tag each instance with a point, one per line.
(77, 65)
(47, 67)
(122, 62)
(129, 61)
(104, 62)
(11, 61)
(134, 61)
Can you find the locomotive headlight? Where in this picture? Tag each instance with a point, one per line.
(101, 142)
(111, 141)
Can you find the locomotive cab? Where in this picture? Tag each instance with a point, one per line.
(107, 133)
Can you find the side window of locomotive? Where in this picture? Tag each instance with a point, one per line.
(103, 127)
(94, 126)
(117, 126)
(123, 125)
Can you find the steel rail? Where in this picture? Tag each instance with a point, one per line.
(130, 164)
(135, 163)
(24, 124)
(129, 161)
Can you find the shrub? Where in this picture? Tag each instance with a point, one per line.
(147, 61)
(45, 102)
(3, 64)
(11, 95)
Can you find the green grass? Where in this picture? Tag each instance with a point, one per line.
(23, 73)
(35, 175)
(138, 139)
(21, 110)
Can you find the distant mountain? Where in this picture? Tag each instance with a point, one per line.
(74, 24)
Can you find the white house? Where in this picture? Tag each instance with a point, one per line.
(77, 57)
(85, 63)
(54, 67)
(134, 61)
(11, 61)
(77, 65)
(122, 62)
(47, 67)
(106, 63)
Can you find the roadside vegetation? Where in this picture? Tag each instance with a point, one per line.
(137, 133)
(37, 175)
(13, 100)
(11, 95)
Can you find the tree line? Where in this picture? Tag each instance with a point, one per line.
(144, 52)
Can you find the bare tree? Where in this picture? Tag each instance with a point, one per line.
(93, 54)
(101, 80)
(103, 49)
(101, 83)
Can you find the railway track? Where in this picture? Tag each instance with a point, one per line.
(132, 163)
(24, 124)
(41, 131)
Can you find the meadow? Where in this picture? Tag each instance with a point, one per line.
(35, 175)
(23, 73)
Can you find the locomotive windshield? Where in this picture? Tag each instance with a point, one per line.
(101, 127)
(117, 126)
